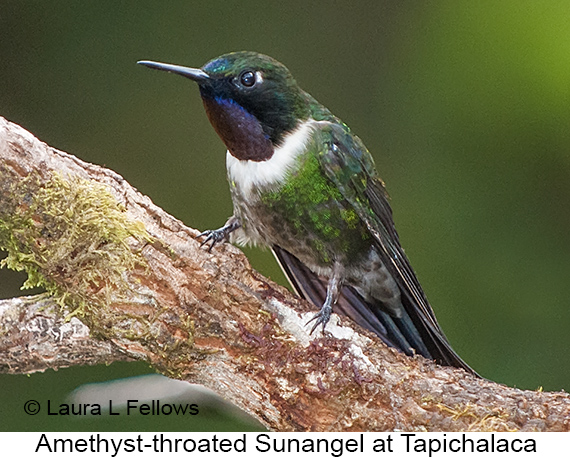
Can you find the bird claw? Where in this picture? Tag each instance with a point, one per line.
(213, 237)
(322, 317)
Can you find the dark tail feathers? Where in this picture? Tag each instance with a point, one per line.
(409, 333)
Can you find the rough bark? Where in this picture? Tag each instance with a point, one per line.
(152, 293)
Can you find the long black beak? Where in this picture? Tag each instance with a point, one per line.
(195, 74)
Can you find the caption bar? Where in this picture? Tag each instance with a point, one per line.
(281, 444)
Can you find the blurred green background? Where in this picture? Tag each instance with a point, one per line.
(464, 105)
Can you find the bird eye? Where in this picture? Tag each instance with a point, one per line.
(247, 78)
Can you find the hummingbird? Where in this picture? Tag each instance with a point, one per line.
(304, 185)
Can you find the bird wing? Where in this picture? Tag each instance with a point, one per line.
(348, 164)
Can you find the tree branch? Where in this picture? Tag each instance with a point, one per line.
(125, 280)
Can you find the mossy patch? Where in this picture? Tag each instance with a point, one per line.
(69, 235)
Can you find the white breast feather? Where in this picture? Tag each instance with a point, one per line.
(248, 175)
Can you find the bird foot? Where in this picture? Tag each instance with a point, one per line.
(322, 318)
(213, 237)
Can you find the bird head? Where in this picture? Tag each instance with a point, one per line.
(251, 99)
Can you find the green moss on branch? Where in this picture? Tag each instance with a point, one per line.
(70, 236)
